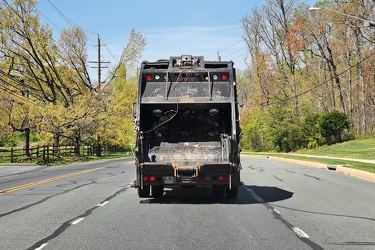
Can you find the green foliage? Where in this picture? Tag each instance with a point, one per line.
(288, 138)
(63, 105)
(332, 125)
(253, 132)
(285, 131)
(281, 130)
(311, 130)
(119, 128)
(301, 81)
(8, 141)
(17, 138)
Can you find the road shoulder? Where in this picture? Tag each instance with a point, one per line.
(340, 169)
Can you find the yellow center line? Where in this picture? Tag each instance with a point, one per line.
(32, 184)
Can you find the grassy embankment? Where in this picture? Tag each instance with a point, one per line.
(357, 149)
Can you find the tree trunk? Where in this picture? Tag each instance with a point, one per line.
(56, 143)
(76, 146)
(99, 148)
(27, 141)
(362, 115)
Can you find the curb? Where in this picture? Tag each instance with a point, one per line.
(340, 169)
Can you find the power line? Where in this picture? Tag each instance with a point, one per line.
(48, 19)
(109, 50)
(70, 22)
(62, 14)
(218, 52)
(230, 45)
(317, 86)
(239, 56)
(234, 52)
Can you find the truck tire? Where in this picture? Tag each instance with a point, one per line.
(232, 193)
(145, 192)
(157, 191)
(218, 191)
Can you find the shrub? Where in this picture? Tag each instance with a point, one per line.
(332, 125)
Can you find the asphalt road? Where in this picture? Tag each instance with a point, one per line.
(91, 206)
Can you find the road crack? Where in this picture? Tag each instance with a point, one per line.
(68, 223)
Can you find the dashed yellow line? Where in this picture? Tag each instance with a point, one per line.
(32, 184)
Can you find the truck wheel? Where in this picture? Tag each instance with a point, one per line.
(157, 191)
(218, 191)
(232, 193)
(145, 192)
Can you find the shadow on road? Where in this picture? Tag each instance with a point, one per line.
(203, 195)
(271, 194)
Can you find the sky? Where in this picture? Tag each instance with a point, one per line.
(171, 27)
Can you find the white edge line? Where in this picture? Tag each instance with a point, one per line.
(77, 221)
(300, 233)
(256, 197)
(41, 246)
(102, 204)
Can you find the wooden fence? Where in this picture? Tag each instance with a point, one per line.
(44, 154)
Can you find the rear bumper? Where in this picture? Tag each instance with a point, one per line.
(151, 173)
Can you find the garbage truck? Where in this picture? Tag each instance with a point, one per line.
(187, 126)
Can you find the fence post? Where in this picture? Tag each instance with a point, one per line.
(44, 154)
(11, 155)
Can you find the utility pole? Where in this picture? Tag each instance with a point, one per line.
(99, 62)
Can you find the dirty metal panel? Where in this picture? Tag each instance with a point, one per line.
(154, 89)
(186, 89)
(189, 153)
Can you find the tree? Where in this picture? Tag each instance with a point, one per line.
(73, 46)
(310, 63)
(332, 125)
(284, 129)
(132, 53)
(76, 123)
(119, 127)
(311, 130)
(29, 50)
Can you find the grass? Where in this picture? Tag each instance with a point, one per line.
(358, 149)
(369, 167)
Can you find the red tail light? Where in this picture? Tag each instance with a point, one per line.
(145, 178)
(224, 77)
(152, 178)
(221, 178)
(148, 77)
(208, 178)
